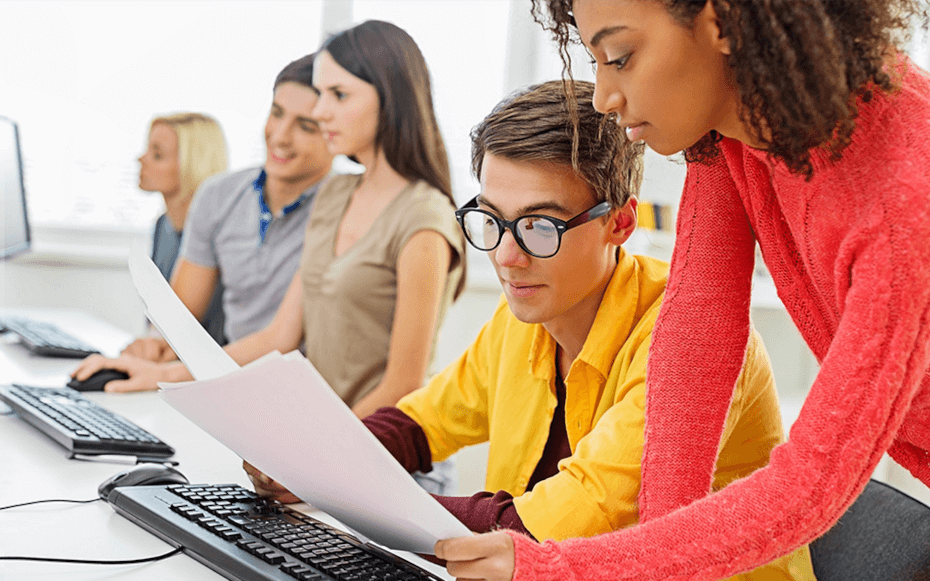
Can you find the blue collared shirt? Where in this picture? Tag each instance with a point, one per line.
(264, 212)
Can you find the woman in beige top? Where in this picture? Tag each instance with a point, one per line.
(383, 256)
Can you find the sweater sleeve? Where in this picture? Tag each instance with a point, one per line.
(875, 365)
(485, 511)
(698, 343)
(403, 438)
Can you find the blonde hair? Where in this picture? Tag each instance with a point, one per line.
(201, 148)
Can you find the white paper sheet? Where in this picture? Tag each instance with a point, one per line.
(283, 417)
(204, 358)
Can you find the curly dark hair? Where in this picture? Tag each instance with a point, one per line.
(799, 65)
(537, 124)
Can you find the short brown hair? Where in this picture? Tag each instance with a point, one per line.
(536, 124)
(299, 71)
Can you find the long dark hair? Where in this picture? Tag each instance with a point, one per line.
(384, 56)
(799, 65)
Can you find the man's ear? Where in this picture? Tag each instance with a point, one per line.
(623, 221)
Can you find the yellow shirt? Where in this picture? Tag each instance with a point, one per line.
(502, 391)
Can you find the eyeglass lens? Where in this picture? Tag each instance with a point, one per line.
(539, 235)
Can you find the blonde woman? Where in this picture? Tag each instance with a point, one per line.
(183, 150)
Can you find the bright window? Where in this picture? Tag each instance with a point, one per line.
(84, 79)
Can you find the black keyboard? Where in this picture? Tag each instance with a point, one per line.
(79, 424)
(46, 339)
(244, 537)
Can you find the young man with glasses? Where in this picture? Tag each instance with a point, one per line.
(555, 381)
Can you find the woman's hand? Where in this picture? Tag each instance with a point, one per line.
(265, 486)
(150, 348)
(143, 375)
(488, 556)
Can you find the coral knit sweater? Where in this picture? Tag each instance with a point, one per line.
(849, 252)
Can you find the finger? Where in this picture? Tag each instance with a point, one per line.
(88, 367)
(265, 486)
(126, 386)
(485, 569)
(138, 348)
(254, 472)
(432, 559)
(165, 354)
(274, 492)
(474, 547)
(150, 351)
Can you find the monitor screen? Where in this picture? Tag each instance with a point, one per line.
(15, 223)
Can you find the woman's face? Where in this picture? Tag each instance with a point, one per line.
(347, 109)
(666, 83)
(159, 166)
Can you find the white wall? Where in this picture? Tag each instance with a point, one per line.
(74, 269)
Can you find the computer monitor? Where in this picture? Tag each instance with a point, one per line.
(15, 224)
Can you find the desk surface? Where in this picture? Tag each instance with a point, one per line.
(35, 468)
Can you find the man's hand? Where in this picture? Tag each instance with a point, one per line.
(488, 556)
(265, 486)
(151, 349)
(143, 375)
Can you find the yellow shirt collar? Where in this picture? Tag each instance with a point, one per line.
(610, 330)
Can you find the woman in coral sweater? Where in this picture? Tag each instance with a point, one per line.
(806, 130)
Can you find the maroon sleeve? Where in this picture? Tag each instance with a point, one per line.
(485, 512)
(403, 437)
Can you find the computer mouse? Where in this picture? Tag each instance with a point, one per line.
(96, 381)
(141, 475)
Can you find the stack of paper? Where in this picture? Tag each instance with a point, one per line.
(281, 416)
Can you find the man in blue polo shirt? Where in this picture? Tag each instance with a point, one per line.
(246, 228)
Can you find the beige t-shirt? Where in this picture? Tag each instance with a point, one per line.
(349, 299)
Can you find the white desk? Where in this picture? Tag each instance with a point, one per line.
(34, 467)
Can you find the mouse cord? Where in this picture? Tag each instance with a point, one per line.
(96, 562)
(51, 500)
(82, 561)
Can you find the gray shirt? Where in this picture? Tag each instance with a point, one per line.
(166, 244)
(222, 231)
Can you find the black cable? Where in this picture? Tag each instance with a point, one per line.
(93, 562)
(52, 500)
(82, 561)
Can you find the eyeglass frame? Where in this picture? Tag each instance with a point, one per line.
(561, 226)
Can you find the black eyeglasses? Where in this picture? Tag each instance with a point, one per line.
(537, 235)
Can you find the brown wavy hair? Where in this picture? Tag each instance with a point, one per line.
(799, 65)
(536, 124)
